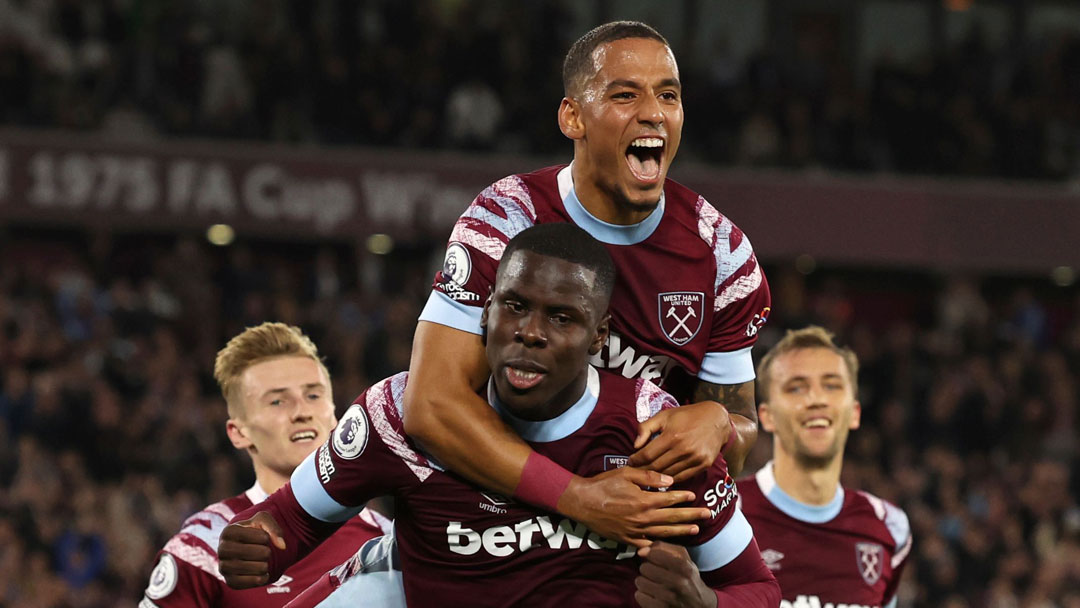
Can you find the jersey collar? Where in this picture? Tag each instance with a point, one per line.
(256, 494)
(559, 427)
(812, 514)
(612, 234)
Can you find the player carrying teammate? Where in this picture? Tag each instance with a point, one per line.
(460, 544)
(826, 544)
(280, 408)
(688, 301)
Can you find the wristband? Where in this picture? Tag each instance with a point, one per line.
(542, 482)
(731, 436)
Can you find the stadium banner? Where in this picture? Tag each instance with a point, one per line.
(263, 189)
(305, 193)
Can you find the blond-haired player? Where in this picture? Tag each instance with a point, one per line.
(280, 406)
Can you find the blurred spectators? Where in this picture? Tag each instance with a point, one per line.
(486, 76)
(109, 414)
(108, 410)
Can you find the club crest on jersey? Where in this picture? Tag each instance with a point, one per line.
(869, 558)
(351, 434)
(612, 462)
(163, 578)
(681, 314)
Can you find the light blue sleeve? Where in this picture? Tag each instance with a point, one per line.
(728, 544)
(313, 497)
(444, 311)
(734, 367)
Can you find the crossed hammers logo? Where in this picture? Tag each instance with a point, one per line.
(870, 556)
(680, 322)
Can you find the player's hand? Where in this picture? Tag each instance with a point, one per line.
(244, 550)
(668, 577)
(690, 439)
(615, 505)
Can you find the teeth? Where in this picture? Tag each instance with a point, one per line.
(816, 423)
(303, 435)
(525, 375)
(647, 142)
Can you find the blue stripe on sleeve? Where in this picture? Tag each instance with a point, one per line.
(444, 311)
(728, 544)
(734, 367)
(313, 497)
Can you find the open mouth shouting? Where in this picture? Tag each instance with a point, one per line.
(645, 157)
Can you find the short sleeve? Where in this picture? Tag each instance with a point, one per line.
(476, 245)
(367, 455)
(741, 301)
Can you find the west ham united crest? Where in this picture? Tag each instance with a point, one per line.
(869, 559)
(681, 314)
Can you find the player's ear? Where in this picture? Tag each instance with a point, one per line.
(602, 331)
(765, 416)
(856, 416)
(484, 314)
(484, 321)
(570, 122)
(235, 430)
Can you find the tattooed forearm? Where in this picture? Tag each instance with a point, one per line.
(737, 398)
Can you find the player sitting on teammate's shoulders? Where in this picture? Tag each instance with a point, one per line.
(459, 544)
(826, 544)
(687, 305)
(281, 407)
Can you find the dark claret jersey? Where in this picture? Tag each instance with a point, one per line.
(458, 543)
(187, 574)
(689, 296)
(850, 552)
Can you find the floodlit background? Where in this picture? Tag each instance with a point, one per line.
(171, 172)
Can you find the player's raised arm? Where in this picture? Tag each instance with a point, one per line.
(446, 415)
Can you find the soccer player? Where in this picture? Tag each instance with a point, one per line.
(826, 544)
(460, 544)
(281, 408)
(689, 299)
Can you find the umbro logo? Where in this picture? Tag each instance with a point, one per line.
(772, 558)
(494, 503)
(496, 499)
(281, 585)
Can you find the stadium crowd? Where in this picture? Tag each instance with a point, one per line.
(111, 425)
(110, 420)
(361, 73)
